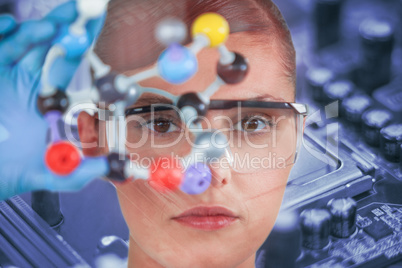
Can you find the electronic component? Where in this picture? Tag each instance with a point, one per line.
(353, 107)
(377, 39)
(338, 90)
(316, 78)
(327, 22)
(400, 147)
(343, 221)
(285, 237)
(391, 139)
(373, 121)
(315, 226)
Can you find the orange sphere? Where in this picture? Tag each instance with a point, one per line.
(166, 174)
(62, 158)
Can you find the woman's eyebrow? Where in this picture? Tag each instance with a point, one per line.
(266, 97)
(149, 100)
(156, 99)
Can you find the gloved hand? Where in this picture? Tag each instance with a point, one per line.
(23, 130)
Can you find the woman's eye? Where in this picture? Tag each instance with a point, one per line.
(162, 126)
(251, 124)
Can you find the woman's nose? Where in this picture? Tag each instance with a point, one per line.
(221, 173)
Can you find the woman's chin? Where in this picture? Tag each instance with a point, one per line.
(192, 248)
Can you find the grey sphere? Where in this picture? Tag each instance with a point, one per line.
(133, 94)
(211, 144)
(171, 31)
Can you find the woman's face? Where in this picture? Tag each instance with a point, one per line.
(157, 236)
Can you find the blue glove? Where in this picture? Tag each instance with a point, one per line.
(22, 128)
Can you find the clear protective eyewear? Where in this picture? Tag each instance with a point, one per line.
(259, 135)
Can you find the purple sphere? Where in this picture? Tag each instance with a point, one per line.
(197, 179)
(177, 64)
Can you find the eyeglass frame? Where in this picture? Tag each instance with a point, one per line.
(299, 108)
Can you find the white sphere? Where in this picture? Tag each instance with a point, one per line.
(170, 31)
(91, 8)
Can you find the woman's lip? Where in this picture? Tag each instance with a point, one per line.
(207, 218)
(207, 211)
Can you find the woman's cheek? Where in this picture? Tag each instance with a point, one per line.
(263, 198)
(138, 204)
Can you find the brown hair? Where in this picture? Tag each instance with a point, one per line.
(136, 46)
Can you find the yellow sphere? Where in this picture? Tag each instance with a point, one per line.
(214, 26)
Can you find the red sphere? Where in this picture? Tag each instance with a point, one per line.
(62, 158)
(166, 174)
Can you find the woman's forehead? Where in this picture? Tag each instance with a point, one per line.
(265, 78)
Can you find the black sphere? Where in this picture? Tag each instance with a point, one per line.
(55, 102)
(193, 100)
(107, 90)
(116, 167)
(234, 72)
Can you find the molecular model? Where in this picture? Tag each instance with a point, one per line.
(176, 64)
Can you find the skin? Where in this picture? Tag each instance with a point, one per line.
(158, 241)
